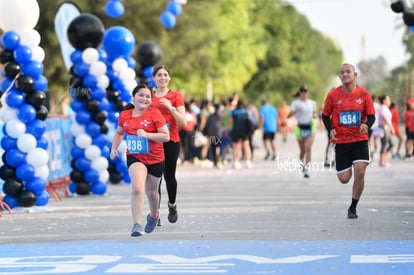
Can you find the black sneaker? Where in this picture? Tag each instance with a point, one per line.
(172, 213)
(159, 223)
(352, 213)
(267, 156)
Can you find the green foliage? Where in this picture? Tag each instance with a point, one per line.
(253, 48)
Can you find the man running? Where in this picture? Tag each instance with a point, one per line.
(348, 114)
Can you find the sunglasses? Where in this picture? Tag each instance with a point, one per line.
(304, 90)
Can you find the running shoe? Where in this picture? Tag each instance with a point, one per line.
(267, 155)
(352, 213)
(172, 213)
(137, 230)
(151, 223)
(159, 223)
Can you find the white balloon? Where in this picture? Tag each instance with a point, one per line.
(7, 113)
(83, 141)
(15, 128)
(97, 68)
(104, 175)
(26, 142)
(90, 56)
(130, 85)
(103, 81)
(76, 128)
(182, 2)
(119, 65)
(42, 172)
(37, 157)
(127, 74)
(99, 164)
(18, 15)
(30, 38)
(38, 54)
(92, 152)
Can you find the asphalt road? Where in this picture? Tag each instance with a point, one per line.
(266, 210)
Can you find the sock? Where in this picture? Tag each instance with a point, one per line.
(354, 203)
(158, 214)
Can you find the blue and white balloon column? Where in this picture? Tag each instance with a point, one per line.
(25, 161)
(118, 43)
(88, 85)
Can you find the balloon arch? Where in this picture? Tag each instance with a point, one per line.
(101, 82)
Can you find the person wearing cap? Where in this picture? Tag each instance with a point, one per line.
(348, 114)
(304, 110)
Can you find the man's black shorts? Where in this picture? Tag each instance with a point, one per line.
(346, 154)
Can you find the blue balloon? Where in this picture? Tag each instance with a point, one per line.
(76, 56)
(113, 116)
(174, 7)
(26, 113)
(32, 68)
(121, 166)
(114, 8)
(36, 185)
(15, 98)
(93, 129)
(8, 143)
(126, 178)
(5, 83)
(83, 164)
(99, 188)
(76, 105)
(103, 104)
(167, 19)
(42, 199)
(22, 54)
(148, 71)
(10, 40)
(100, 140)
(15, 157)
(98, 93)
(40, 83)
(105, 151)
(72, 187)
(76, 152)
(118, 41)
(81, 69)
(36, 127)
(92, 176)
(90, 81)
(83, 117)
(25, 172)
(11, 201)
(42, 142)
(103, 56)
(132, 63)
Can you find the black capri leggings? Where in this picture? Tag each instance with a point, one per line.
(171, 151)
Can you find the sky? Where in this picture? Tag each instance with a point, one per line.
(348, 21)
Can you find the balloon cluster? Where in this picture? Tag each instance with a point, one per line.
(118, 43)
(25, 161)
(173, 9)
(88, 85)
(400, 6)
(114, 8)
(148, 54)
